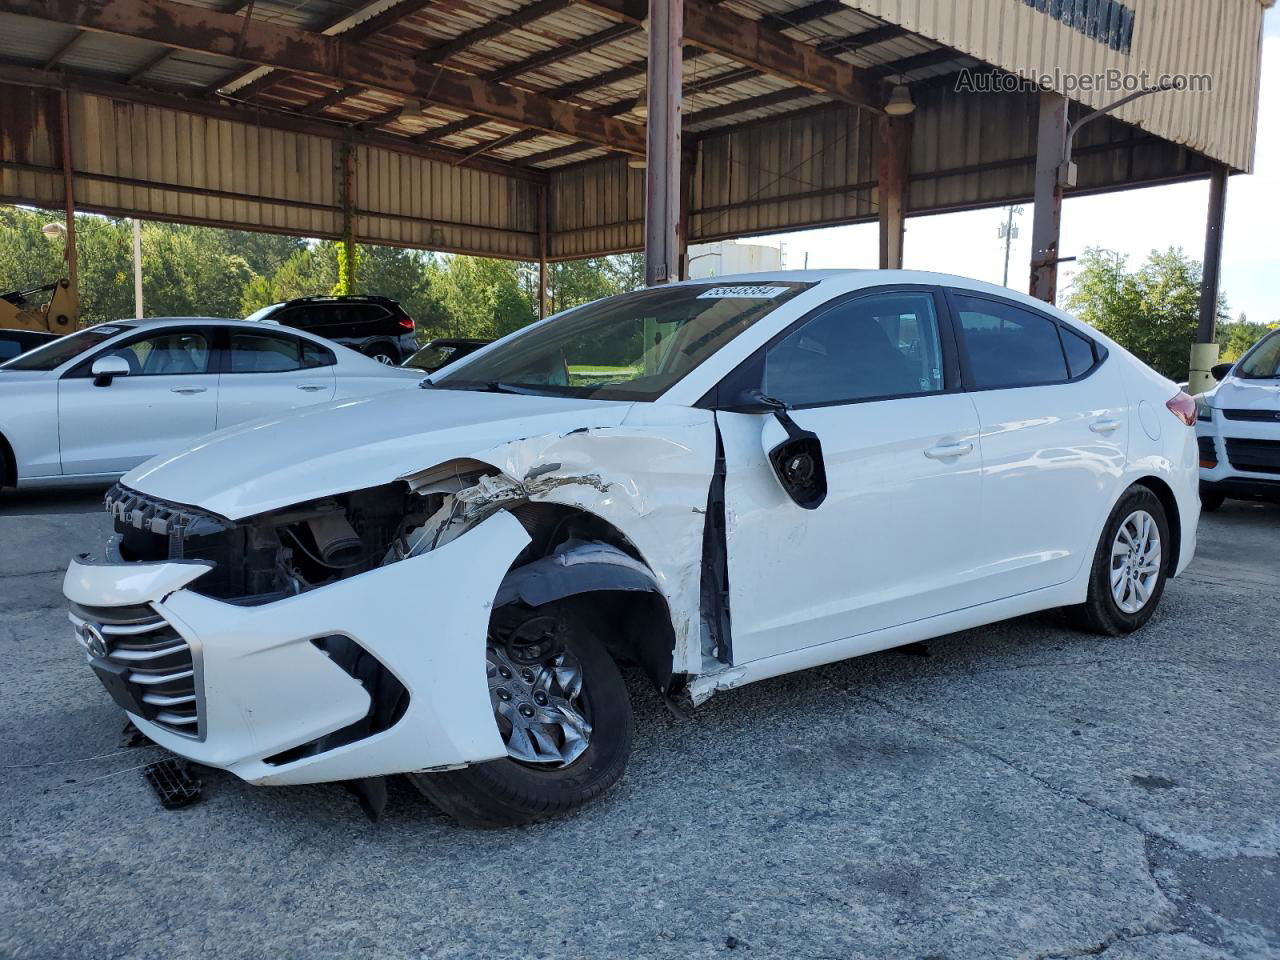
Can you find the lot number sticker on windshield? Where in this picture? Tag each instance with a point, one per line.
(742, 293)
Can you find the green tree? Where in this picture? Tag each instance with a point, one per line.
(1236, 337)
(185, 276)
(480, 297)
(1152, 312)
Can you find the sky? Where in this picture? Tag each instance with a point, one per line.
(1133, 222)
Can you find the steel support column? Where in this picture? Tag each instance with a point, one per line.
(662, 170)
(69, 193)
(1204, 352)
(1046, 227)
(894, 176)
(542, 251)
(347, 186)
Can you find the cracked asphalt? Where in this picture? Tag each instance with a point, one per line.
(1022, 790)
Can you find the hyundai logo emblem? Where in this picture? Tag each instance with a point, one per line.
(93, 640)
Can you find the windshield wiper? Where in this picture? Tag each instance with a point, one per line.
(497, 386)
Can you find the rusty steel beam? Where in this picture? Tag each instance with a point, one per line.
(277, 46)
(387, 18)
(147, 67)
(63, 50)
(21, 75)
(563, 52)
(317, 107)
(894, 167)
(496, 28)
(756, 45)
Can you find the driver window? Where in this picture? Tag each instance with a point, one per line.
(174, 353)
(884, 345)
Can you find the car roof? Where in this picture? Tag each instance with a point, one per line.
(840, 281)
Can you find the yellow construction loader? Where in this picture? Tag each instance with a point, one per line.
(30, 310)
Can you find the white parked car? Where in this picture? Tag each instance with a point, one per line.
(1238, 428)
(718, 481)
(91, 405)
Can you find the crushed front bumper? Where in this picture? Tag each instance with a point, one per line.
(263, 688)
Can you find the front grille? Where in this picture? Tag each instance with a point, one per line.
(1208, 456)
(1253, 416)
(159, 665)
(1258, 456)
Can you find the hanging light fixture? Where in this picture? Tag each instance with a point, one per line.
(637, 163)
(412, 110)
(900, 103)
(641, 109)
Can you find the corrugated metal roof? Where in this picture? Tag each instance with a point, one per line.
(745, 126)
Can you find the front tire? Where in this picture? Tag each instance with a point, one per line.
(563, 712)
(1130, 566)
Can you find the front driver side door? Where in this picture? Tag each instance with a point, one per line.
(875, 376)
(168, 400)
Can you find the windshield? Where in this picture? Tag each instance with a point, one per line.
(263, 312)
(1263, 361)
(55, 354)
(631, 347)
(431, 357)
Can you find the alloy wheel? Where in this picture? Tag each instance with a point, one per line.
(1135, 561)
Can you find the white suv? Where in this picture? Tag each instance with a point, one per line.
(1238, 428)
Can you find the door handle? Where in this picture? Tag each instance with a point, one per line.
(1104, 426)
(944, 451)
(187, 391)
(310, 387)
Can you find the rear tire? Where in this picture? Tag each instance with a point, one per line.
(1130, 567)
(509, 792)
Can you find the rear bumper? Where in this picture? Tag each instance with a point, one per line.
(1238, 487)
(264, 687)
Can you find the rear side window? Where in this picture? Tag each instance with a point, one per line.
(263, 353)
(1079, 351)
(314, 355)
(1008, 346)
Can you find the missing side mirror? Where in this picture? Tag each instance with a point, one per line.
(797, 461)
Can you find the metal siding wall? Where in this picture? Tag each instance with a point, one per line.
(818, 168)
(286, 180)
(414, 202)
(1216, 37)
(813, 168)
(28, 140)
(230, 174)
(596, 208)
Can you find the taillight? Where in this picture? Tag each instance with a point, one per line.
(406, 323)
(1183, 406)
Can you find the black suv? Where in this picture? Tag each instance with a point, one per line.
(376, 326)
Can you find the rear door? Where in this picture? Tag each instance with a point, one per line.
(168, 400)
(875, 377)
(267, 372)
(1054, 440)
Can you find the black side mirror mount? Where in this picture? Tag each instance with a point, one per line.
(1219, 371)
(797, 461)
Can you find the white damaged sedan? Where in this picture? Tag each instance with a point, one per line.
(718, 482)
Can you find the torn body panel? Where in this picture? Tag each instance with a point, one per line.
(648, 479)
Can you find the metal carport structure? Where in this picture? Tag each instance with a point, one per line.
(518, 129)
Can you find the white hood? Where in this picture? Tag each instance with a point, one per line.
(1237, 394)
(351, 444)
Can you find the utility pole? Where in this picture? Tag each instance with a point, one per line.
(1008, 232)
